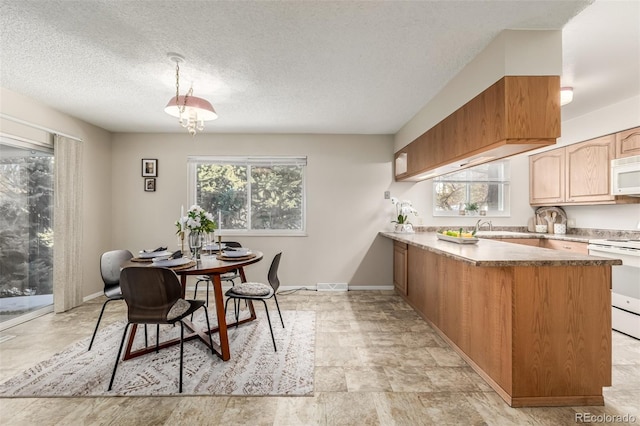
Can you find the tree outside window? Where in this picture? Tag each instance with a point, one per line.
(252, 194)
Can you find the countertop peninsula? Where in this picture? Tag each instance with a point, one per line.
(534, 322)
(488, 252)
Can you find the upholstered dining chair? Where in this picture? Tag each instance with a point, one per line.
(110, 264)
(258, 291)
(153, 297)
(229, 276)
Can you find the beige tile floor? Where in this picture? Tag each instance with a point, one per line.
(377, 363)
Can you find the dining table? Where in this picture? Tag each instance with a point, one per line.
(212, 264)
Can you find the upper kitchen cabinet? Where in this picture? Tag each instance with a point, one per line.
(576, 174)
(628, 143)
(546, 177)
(588, 170)
(514, 115)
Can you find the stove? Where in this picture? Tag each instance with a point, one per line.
(625, 282)
(618, 242)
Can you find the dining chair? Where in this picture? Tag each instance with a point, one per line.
(229, 276)
(110, 264)
(258, 291)
(153, 295)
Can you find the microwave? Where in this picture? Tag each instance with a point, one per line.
(625, 176)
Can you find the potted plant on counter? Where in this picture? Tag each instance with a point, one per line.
(403, 209)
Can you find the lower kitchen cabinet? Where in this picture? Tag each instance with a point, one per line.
(510, 324)
(400, 267)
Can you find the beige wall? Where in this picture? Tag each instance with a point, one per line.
(97, 175)
(346, 179)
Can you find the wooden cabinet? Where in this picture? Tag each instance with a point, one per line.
(572, 246)
(546, 177)
(518, 325)
(514, 115)
(588, 170)
(575, 174)
(628, 143)
(400, 267)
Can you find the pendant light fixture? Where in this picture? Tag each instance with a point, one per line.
(191, 111)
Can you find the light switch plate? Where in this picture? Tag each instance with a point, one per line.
(387, 195)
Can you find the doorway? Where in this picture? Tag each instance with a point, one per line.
(26, 230)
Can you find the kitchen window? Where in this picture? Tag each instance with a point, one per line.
(486, 186)
(251, 195)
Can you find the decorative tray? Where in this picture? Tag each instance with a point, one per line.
(459, 240)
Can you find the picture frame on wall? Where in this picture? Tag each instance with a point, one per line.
(150, 185)
(149, 167)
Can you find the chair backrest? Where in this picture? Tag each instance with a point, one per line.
(150, 293)
(232, 244)
(273, 272)
(110, 264)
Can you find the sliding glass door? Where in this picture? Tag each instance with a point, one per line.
(26, 230)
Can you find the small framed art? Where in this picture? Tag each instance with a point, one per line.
(149, 167)
(150, 185)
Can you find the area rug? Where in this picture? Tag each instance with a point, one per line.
(254, 368)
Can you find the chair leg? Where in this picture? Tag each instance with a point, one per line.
(104, 305)
(181, 354)
(157, 337)
(206, 315)
(207, 293)
(270, 328)
(113, 375)
(145, 336)
(278, 306)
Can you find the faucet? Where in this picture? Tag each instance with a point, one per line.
(479, 223)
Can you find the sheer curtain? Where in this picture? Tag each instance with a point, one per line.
(67, 224)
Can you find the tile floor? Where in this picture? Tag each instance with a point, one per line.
(377, 363)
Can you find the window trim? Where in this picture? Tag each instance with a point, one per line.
(252, 160)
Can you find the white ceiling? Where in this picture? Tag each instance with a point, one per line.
(292, 67)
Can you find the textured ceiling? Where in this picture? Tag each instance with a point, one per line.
(304, 66)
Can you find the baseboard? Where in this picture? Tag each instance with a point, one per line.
(371, 287)
(92, 296)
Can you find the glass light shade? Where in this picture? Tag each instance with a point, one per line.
(201, 107)
(566, 95)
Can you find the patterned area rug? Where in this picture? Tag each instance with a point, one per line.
(254, 368)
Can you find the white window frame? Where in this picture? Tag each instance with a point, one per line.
(249, 161)
(504, 196)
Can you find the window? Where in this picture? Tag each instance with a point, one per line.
(251, 194)
(486, 186)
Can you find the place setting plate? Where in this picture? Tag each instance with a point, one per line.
(147, 256)
(237, 254)
(170, 263)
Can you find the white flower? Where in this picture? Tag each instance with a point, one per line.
(196, 220)
(403, 209)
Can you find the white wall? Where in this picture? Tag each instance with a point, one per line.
(346, 180)
(97, 175)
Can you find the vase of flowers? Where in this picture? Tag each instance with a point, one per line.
(198, 222)
(403, 209)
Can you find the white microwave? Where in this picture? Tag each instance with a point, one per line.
(625, 176)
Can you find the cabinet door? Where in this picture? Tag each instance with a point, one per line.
(588, 170)
(546, 177)
(400, 267)
(628, 143)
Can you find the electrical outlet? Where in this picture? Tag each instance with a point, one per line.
(571, 223)
(387, 195)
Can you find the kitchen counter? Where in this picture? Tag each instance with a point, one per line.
(498, 253)
(534, 323)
